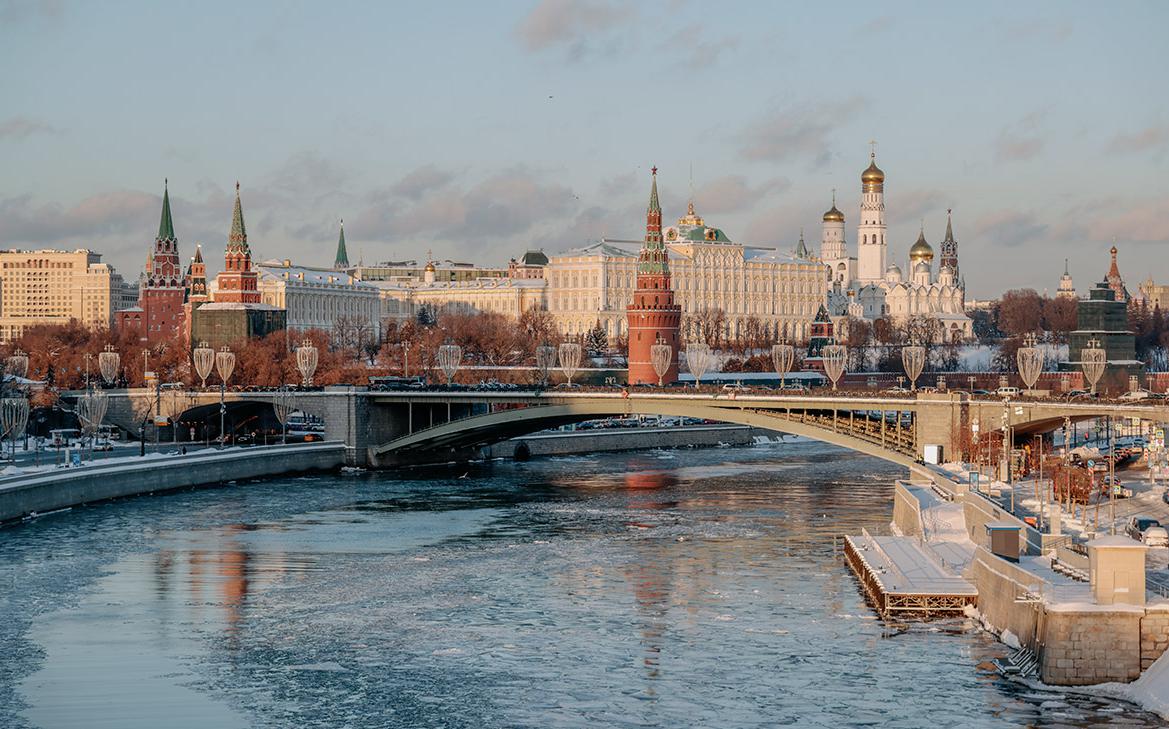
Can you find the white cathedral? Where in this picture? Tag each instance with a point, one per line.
(864, 287)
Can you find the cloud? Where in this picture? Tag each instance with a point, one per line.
(307, 174)
(1033, 30)
(1143, 222)
(119, 212)
(1021, 140)
(421, 181)
(1143, 140)
(877, 25)
(500, 207)
(1010, 228)
(696, 49)
(785, 134)
(914, 204)
(619, 185)
(570, 24)
(13, 12)
(19, 127)
(732, 193)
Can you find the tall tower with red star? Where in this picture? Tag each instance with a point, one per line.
(653, 317)
(159, 314)
(237, 282)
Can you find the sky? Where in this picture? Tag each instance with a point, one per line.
(480, 130)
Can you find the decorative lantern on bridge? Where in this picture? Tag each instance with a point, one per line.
(13, 419)
(91, 410)
(283, 405)
(18, 364)
(913, 360)
(783, 356)
(306, 362)
(204, 357)
(108, 362)
(1030, 360)
(569, 359)
(834, 357)
(1093, 360)
(450, 356)
(698, 360)
(661, 356)
(224, 364)
(545, 361)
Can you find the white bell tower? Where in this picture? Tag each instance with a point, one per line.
(870, 235)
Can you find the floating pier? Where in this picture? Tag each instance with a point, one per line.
(902, 579)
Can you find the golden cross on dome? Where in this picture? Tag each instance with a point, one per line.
(873, 146)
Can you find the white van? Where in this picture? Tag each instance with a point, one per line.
(1008, 392)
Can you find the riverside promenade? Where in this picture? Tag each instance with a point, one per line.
(51, 488)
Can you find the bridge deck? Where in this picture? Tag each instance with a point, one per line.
(899, 577)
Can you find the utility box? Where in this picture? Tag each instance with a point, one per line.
(1004, 539)
(1116, 570)
(933, 455)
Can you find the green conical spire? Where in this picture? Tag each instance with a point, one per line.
(239, 234)
(949, 227)
(342, 259)
(654, 205)
(802, 249)
(166, 226)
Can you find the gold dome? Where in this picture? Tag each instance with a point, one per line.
(921, 250)
(873, 175)
(834, 215)
(429, 266)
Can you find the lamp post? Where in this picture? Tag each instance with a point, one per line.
(306, 361)
(783, 356)
(1093, 360)
(698, 360)
(108, 361)
(661, 356)
(834, 357)
(224, 364)
(1030, 359)
(545, 362)
(204, 358)
(913, 360)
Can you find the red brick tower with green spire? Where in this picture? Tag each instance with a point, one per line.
(653, 317)
(159, 314)
(236, 283)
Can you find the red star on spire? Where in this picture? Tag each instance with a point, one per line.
(654, 170)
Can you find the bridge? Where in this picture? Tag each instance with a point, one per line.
(388, 428)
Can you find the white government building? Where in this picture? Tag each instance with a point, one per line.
(868, 287)
(318, 298)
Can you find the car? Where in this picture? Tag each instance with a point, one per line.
(1137, 525)
(735, 387)
(1155, 537)
(1008, 392)
(898, 389)
(981, 392)
(102, 444)
(794, 387)
(1135, 395)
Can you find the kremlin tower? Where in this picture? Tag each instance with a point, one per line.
(236, 283)
(653, 317)
(159, 314)
(196, 289)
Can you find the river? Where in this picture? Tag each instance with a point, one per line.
(655, 589)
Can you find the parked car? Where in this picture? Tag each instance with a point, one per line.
(1135, 395)
(794, 387)
(1008, 392)
(1138, 524)
(735, 387)
(1155, 537)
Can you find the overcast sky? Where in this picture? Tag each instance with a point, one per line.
(481, 129)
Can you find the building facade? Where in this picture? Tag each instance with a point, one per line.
(405, 298)
(318, 298)
(1067, 287)
(56, 287)
(1154, 296)
(883, 290)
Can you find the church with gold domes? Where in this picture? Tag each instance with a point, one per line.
(868, 287)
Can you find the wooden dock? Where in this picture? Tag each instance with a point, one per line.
(901, 579)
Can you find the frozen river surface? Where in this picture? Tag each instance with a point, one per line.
(660, 589)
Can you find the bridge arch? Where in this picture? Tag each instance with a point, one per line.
(482, 430)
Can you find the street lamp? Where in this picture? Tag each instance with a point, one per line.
(18, 364)
(224, 364)
(204, 357)
(698, 360)
(545, 361)
(450, 356)
(834, 357)
(306, 361)
(1030, 359)
(569, 359)
(1093, 360)
(108, 362)
(913, 360)
(783, 356)
(661, 356)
